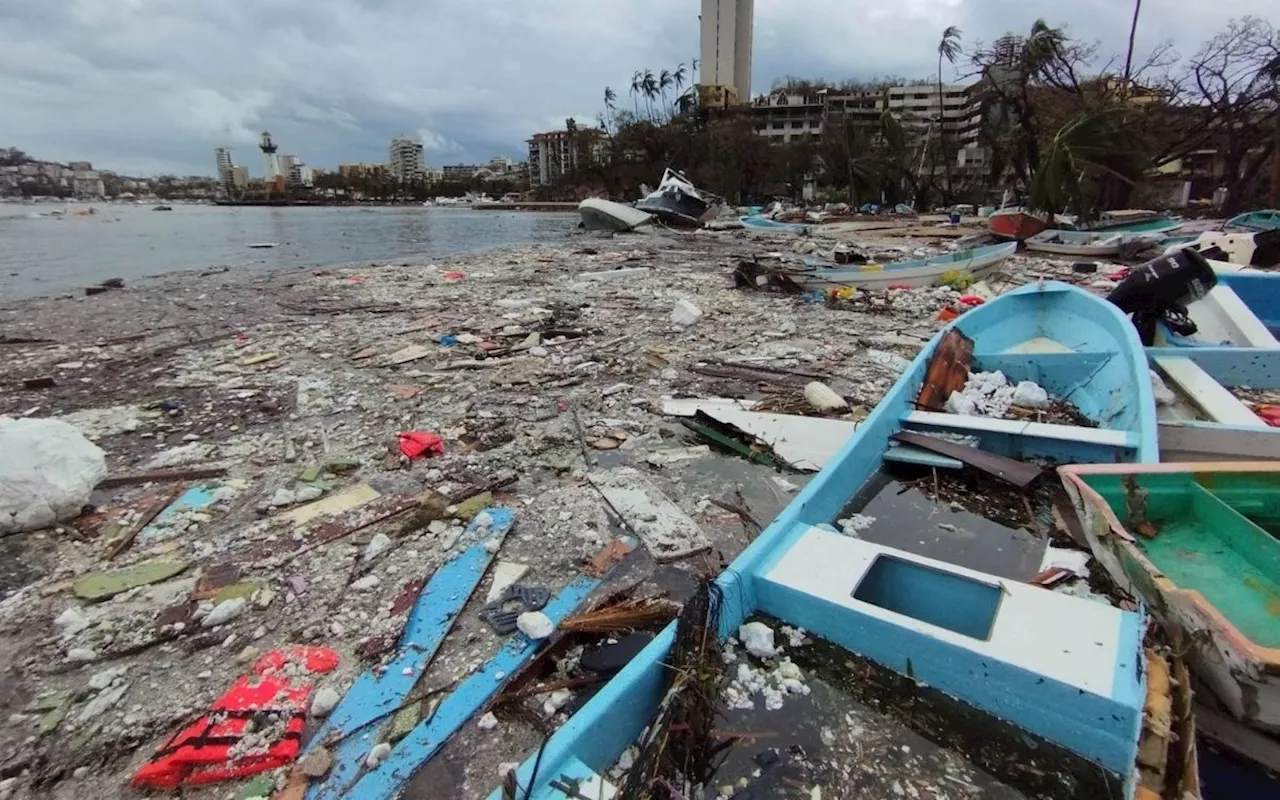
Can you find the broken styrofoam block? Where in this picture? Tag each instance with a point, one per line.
(1028, 394)
(757, 637)
(1164, 395)
(325, 700)
(823, 398)
(535, 625)
(685, 313)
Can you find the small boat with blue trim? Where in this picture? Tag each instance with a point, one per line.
(1067, 676)
(977, 263)
(1197, 542)
(1265, 220)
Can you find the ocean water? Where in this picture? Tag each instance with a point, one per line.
(46, 255)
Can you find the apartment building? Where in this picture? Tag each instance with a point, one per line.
(725, 44)
(405, 158)
(556, 153)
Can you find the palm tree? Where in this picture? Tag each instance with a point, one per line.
(637, 86)
(1133, 30)
(1089, 143)
(609, 98)
(664, 83)
(948, 48)
(678, 77)
(649, 86)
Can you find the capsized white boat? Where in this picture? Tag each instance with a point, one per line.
(605, 215)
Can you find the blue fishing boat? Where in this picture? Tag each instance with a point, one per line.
(1135, 222)
(1243, 310)
(1266, 220)
(1067, 671)
(766, 224)
(977, 263)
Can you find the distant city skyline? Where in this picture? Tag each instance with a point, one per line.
(145, 88)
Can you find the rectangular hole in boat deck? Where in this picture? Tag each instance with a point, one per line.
(943, 599)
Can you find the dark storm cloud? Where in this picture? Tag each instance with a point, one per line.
(145, 86)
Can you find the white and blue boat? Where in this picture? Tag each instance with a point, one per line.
(1068, 671)
(761, 223)
(1242, 310)
(977, 263)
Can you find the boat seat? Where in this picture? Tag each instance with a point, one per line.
(1059, 666)
(959, 423)
(1208, 395)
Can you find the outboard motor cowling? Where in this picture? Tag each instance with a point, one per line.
(1159, 290)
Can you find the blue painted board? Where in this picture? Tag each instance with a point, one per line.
(375, 694)
(1230, 366)
(193, 499)
(424, 741)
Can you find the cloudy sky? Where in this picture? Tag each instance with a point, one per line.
(149, 86)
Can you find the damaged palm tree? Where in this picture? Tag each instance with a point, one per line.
(677, 750)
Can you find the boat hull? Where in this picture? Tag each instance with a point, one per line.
(678, 210)
(606, 215)
(1089, 246)
(1244, 675)
(778, 573)
(1015, 225)
(978, 263)
(765, 224)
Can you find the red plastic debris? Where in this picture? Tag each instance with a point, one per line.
(971, 300)
(416, 444)
(356, 279)
(947, 314)
(453, 276)
(1119, 274)
(210, 750)
(1269, 415)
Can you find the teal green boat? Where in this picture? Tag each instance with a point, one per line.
(1197, 543)
(1155, 223)
(1265, 220)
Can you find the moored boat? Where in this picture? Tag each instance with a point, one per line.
(1015, 224)
(678, 202)
(1069, 673)
(606, 215)
(977, 263)
(1197, 542)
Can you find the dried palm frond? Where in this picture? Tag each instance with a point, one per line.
(623, 617)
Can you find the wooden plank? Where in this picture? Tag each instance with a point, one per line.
(1017, 427)
(948, 370)
(1019, 473)
(666, 531)
(377, 693)
(1208, 395)
(345, 500)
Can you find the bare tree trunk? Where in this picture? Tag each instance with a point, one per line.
(1133, 31)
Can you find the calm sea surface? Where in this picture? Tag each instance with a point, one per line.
(42, 255)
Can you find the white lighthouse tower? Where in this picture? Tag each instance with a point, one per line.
(270, 161)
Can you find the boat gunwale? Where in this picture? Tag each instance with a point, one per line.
(1267, 658)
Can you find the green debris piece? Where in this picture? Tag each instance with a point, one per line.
(309, 475)
(261, 786)
(244, 589)
(96, 586)
(433, 505)
(405, 720)
(84, 737)
(472, 506)
(340, 466)
(55, 706)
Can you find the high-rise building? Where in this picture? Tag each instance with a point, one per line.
(288, 168)
(726, 45)
(557, 153)
(405, 158)
(222, 156)
(240, 177)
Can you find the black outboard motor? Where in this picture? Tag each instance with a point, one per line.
(1158, 291)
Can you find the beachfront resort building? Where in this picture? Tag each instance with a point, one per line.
(558, 153)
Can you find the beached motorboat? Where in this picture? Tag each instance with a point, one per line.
(1133, 222)
(1076, 243)
(1242, 310)
(678, 202)
(977, 263)
(1265, 220)
(605, 215)
(1069, 674)
(1256, 249)
(773, 226)
(1197, 542)
(1015, 224)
